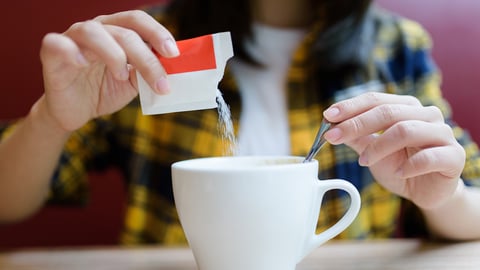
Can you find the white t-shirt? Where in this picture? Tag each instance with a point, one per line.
(264, 127)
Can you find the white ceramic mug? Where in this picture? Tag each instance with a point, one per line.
(254, 213)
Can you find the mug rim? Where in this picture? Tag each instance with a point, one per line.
(267, 162)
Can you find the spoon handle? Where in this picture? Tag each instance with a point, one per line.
(319, 140)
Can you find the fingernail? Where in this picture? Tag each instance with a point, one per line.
(124, 74)
(333, 135)
(170, 48)
(162, 86)
(81, 60)
(331, 112)
(399, 172)
(363, 160)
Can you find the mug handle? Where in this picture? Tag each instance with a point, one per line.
(322, 187)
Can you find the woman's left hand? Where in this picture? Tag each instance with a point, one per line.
(408, 147)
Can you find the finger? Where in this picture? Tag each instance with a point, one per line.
(62, 50)
(349, 108)
(133, 75)
(57, 51)
(406, 134)
(445, 160)
(141, 57)
(380, 118)
(147, 27)
(92, 37)
(360, 144)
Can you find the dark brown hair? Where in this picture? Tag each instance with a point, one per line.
(198, 17)
(344, 44)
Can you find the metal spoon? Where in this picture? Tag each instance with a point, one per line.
(319, 140)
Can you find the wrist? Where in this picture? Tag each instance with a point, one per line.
(40, 118)
(457, 217)
(453, 203)
(454, 198)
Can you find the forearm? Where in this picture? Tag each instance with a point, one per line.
(459, 218)
(28, 159)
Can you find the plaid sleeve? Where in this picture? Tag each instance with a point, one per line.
(87, 149)
(412, 71)
(420, 77)
(427, 83)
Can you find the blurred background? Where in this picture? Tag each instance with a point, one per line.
(22, 27)
(453, 26)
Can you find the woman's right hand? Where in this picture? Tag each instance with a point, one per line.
(89, 69)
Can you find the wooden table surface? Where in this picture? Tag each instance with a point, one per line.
(335, 255)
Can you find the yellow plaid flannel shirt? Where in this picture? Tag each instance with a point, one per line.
(144, 147)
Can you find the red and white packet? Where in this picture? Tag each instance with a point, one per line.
(193, 76)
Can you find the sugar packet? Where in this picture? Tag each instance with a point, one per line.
(193, 76)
